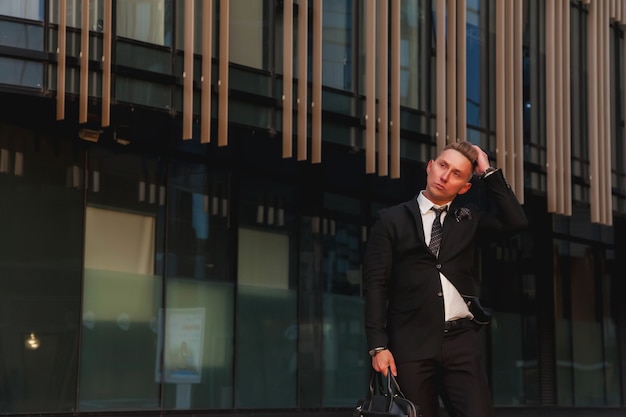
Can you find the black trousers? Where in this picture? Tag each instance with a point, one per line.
(456, 375)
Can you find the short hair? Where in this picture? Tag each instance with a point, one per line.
(466, 149)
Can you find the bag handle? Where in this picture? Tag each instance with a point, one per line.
(377, 386)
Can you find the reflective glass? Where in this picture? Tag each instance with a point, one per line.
(142, 92)
(20, 72)
(338, 48)
(585, 338)
(73, 14)
(415, 35)
(41, 218)
(122, 292)
(147, 21)
(27, 9)
(198, 343)
(476, 48)
(248, 34)
(266, 313)
(345, 359)
(21, 35)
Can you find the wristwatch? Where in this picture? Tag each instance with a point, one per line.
(374, 351)
(487, 172)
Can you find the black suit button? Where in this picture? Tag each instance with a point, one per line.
(438, 266)
(439, 294)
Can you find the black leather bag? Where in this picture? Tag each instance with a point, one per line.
(385, 399)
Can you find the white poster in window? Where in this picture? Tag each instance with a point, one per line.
(184, 337)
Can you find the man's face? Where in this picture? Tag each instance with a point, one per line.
(448, 175)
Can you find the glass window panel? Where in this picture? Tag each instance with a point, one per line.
(142, 92)
(198, 26)
(199, 285)
(20, 72)
(266, 322)
(41, 216)
(21, 35)
(476, 47)
(337, 49)
(73, 13)
(266, 318)
(143, 57)
(344, 347)
(147, 21)
(415, 52)
(122, 292)
(247, 33)
(584, 337)
(27, 9)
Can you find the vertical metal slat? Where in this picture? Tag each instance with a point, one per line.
(207, 62)
(441, 74)
(84, 64)
(188, 54)
(383, 88)
(303, 36)
(287, 78)
(316, 103)
(461, 53)
(106, 62)
(61, 56)
(394, 124)
(370, 87)
(451, 69)
(500, 84)
(222, 114)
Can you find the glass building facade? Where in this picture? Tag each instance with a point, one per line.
(147, 273)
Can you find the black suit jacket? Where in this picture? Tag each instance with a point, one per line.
(404, 307)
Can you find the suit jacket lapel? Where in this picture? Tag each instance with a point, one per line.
(414, 209)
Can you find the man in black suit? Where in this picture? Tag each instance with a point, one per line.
(420, 303)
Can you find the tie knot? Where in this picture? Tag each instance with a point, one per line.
(439, 210)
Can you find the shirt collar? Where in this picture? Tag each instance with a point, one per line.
(425, 204)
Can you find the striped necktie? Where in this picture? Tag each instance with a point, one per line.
(437, 232)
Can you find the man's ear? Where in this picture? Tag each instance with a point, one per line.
(428, 166)
(465, 188)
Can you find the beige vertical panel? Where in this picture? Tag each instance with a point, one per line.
(370, 86)
(188, 70)
(287, 78)
(84, 63)
(207, 60)
(606, 158)
(566, 151)
(383, 88)
(106, 62)
(500, 84)
(600, 97)
(222, 109)
(518, 141)
(551, 106)
(592, 63)
(394, 123)
(558, 106)
(316, 86)
(508, 164)
(451, 73)
(461, 53)
(61, 55)
(303, 36)
(602, 22)
(441, 74)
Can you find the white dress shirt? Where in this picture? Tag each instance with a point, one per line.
(455, 307)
